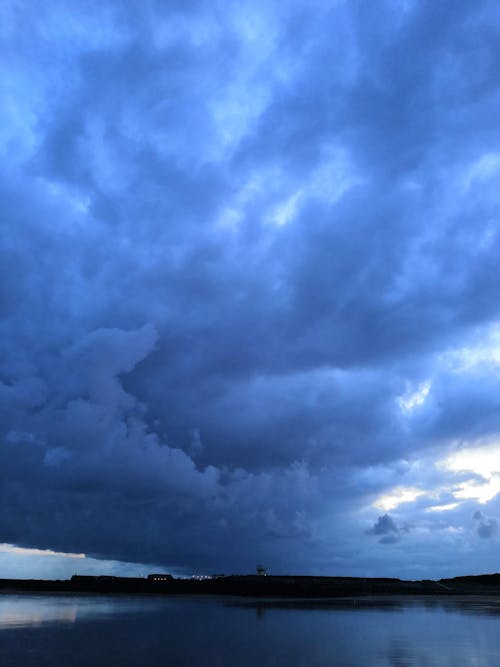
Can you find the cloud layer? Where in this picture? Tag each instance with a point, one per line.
(249, 284)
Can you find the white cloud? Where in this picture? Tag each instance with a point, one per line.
(442, 508)
(396, 497)
(483, 349)
(482, 461)
(22, 551)
(413, 398)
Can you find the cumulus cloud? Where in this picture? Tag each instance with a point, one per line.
(248, 281)
(384, 524)
(486, 527)
(387, 529)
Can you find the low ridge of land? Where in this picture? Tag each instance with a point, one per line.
(260, 586)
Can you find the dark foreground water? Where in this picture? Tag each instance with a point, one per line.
(96, 631)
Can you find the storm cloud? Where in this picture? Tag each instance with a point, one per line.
(249, 284)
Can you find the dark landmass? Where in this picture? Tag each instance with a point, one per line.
(260, 586)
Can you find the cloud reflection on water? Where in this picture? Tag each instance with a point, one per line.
(17, 611)
(55, 631)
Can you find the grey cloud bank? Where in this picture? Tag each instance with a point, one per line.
(249, 291)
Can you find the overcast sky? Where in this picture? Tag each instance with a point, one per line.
(250, 287)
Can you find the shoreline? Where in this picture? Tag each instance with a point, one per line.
(254, 586)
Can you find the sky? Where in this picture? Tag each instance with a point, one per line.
(250, 296)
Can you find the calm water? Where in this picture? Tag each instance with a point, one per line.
(96, 631)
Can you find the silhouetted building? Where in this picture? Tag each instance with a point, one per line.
(160, 577)
(261, 571)
(89, 578)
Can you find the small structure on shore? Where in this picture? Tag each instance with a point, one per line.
(261, 571)
(160, 577)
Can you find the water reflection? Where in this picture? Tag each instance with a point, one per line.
(489, 606)
(34, 610)
(19, 611)
(219, 632)
(400, 654)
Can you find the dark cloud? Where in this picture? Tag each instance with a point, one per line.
(248, 278)
(384, 524)
(386, 528)
(486, 527)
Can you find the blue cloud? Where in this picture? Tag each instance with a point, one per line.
(238, 241)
